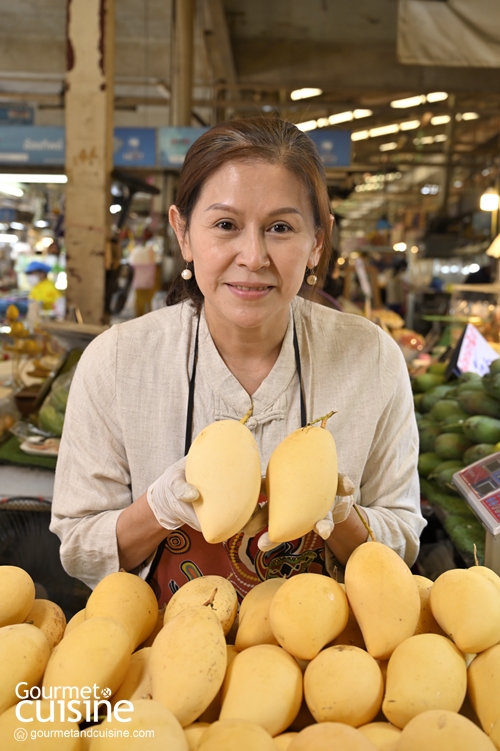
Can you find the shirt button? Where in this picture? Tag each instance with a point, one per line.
(251, 423)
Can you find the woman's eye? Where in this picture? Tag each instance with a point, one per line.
(280, 228)
(225, 225)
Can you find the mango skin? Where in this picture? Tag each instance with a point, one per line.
(196, 592)
(9, 723)
(49, 618)
(483, 679)
(330, 736)
(301, 482)
(24, 652)
(426, 671)
(223, 463)
(17, 595)
(253, 620)
(442, 730)
(383, 596)
(427, 624)
(467, 607)
(264, 686)
(307, 612)
(229, 735)
(382, 734)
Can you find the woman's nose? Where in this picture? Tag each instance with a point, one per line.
(252, 250)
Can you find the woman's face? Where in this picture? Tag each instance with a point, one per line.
(250, 238)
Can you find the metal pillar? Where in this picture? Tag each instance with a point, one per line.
(182, 63)
(89, 153)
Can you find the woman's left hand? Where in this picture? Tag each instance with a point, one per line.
(344, 501)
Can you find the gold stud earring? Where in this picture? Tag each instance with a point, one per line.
(311, 278)
(186, 273)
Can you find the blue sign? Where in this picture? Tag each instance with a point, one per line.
(174, 143)
(134, 147)
(31, 144)
(13, 113)
(334, 146)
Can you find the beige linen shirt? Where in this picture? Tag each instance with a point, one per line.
(126, 419)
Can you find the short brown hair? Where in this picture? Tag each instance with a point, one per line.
(270, 140)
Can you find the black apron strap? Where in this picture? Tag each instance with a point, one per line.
(190, 404)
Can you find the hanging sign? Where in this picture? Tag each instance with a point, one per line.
(334, 146)
(134, 147)
(31, 144)
(173, 144)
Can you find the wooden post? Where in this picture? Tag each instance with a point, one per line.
(89, 154)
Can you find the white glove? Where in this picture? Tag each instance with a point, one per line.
(170, 498)
(342, 505)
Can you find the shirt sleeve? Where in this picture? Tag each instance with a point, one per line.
(390, 491)
(92, 482)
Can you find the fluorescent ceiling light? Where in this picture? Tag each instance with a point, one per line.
(440, 119)
(16, 225)
(383, 130)
(388, 146)
(11, 190)
(18, 178)
(340, 117)
(409, 125)
(305, 93)
(8, 238)
(470, 116)
(307, 125)
(359, 135)
(362, 113)
(412, 101)
(322, 122)
(437, 96)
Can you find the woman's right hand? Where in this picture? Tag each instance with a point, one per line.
(170, 498)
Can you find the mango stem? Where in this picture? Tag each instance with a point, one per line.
(476, 562)
(211, 599)
(323, 420)
(365, 523)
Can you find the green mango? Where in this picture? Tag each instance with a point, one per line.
(470, 386)
(482, 429)
(478, 451)
(451, 445)
(491, 384)
(428, 436)
(468, 377)
(479, 403)
(444, 472)
(50, 420)
(427, 462)
(425, 421)
(444, 408)
(426, 381)
(417, 398)
(430, 398)
(495, 366)
(437, 368)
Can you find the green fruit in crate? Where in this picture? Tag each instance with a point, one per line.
(426, 381)
(478, 451)
(430, 398)
(495, 366)
(491, 383)
(451, 445)
(427, 437)
(444, 408)
(482, 429)
(427, 462)
(454, 423)
(469, 378)
(437, 368)
(417, 398)
(479, 403)
(470, 386)
(444, 472)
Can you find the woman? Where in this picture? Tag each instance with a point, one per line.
(252, 218)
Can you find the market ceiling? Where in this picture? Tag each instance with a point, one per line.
(251, 54)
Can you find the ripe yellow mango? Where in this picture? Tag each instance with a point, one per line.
(301, 482)
(24, 652)
(383, 735)
(343, 684)
(126, 598)
(150, 717)
(283, 740)
(188, 662)
(229, 735)
(95, 652)
(137, 682)
(383, 596)
(443, 730)
(75, 620)
(212, 712)
(495, 734)
(158, 627)
(307, 612)
(426, 671)
(223, 463)
(253, 619)
(326, 736)
(17, 594)
(49, 618)
(467, 607)
(9, 724)
(194, 732)
(488, 573)
(483, 683)
(427, 624)
(216, 590)
(264, 686)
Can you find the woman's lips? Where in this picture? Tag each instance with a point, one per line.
(250, 291)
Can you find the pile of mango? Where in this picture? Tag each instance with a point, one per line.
(458, 421)
(388, 661)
